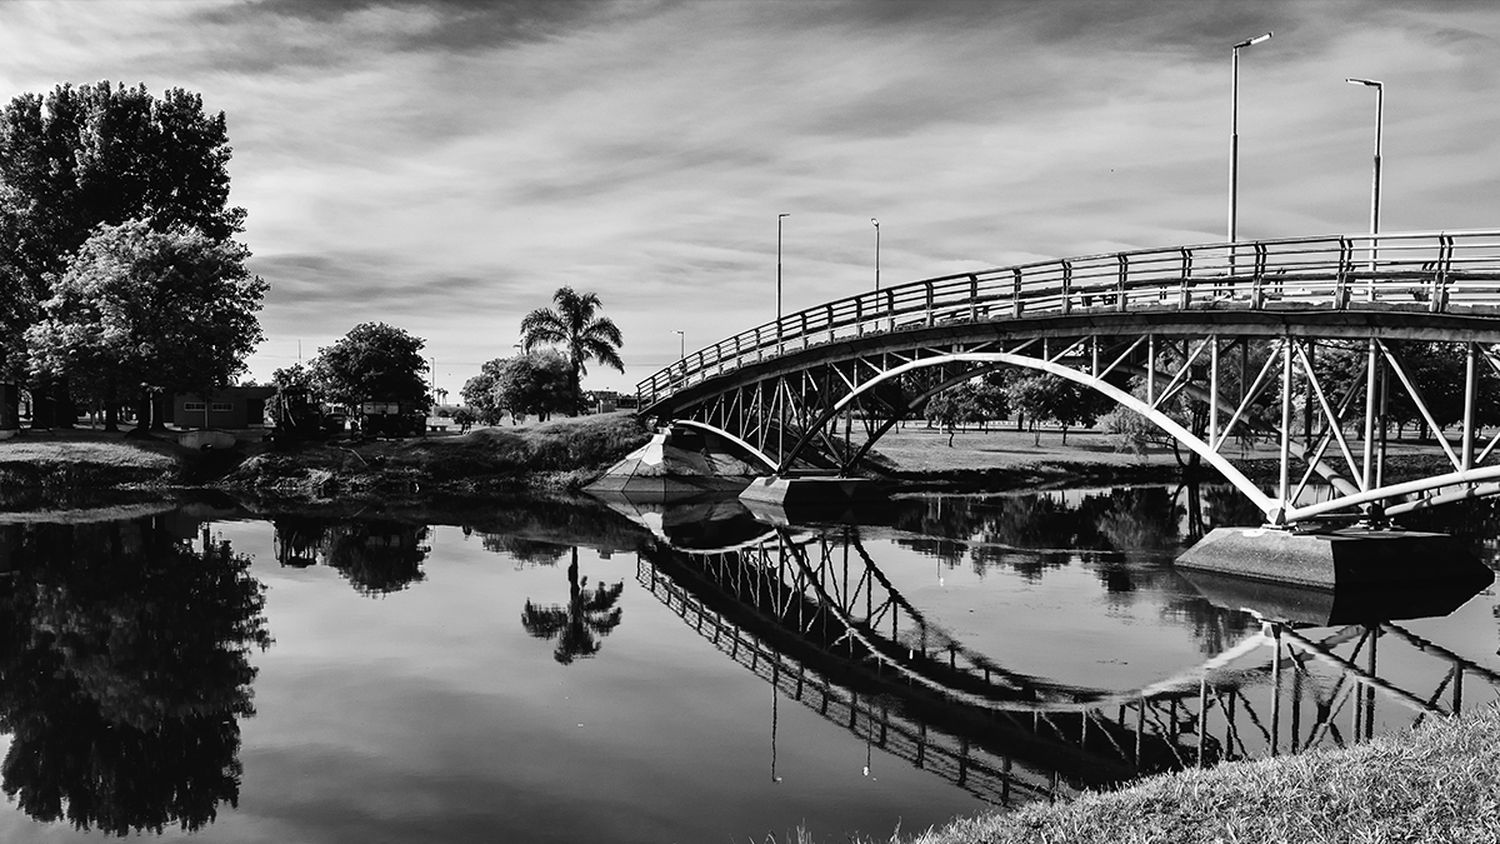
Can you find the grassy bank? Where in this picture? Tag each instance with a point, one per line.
(1438, 783)
(561, 453)
(59, 461)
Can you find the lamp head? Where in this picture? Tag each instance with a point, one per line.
(1251, 42)
(1373, 83)
(875, 222)
(779, 216)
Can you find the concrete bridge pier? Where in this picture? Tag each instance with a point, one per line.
(1352, 558)
(806, 491)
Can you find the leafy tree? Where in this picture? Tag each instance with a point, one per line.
(373, 362)
(577, 626)
(954, 406)
(479, 392)
(465, 418)
(537, 383)
(140, 308)
(576, 327)
(1065, 402)
(99, 155)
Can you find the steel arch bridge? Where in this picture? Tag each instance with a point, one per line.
(1304, 342)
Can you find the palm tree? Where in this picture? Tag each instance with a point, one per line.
(576, 327)
(589, 614)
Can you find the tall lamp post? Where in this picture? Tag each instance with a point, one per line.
(1379, 121)
(681, 345)
(779, 218)
(876, 223)
(1234, 133)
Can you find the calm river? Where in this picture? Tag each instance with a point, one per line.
(542, 672)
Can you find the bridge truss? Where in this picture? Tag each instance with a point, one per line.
(1308, 349)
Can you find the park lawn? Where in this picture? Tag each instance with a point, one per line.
(88, 448)
(1437, 783)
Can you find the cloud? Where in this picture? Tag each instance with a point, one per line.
(448, 164)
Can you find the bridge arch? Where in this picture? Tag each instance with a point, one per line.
(1274, 512)
(760, 456)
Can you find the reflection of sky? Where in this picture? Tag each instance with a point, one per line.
(430, 714)
(446, 164)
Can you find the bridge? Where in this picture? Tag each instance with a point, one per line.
(813, 615)
(1306, 343)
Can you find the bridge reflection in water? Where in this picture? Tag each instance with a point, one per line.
(810, 612)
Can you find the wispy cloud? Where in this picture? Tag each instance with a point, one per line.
(445, 165)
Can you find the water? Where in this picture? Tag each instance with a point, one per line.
(530, 671)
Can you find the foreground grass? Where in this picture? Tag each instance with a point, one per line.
(1438, 783)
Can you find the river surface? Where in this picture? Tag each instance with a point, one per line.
(535, 671)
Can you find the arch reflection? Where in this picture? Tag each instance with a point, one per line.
(811, 612)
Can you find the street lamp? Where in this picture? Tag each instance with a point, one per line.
(876, 223)
(1379, 120)
(681, 345)
(779, 218)
(1234, 132)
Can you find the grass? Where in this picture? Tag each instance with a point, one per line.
(87, 448)
(1438, 783)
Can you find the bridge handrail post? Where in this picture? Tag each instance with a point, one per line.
(1120, 301)
(859, 316)
(1346, 270)
(1439, 300)
(829, 308)
(760, 348)
(973, 298)
(1015, 296)
(1260, 266)
(890, 307)
(1067, 285)
(931, 315)
(804, 332)
(1185, 296)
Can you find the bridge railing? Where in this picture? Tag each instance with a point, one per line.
(1429, 271)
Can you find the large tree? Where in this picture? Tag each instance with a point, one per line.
(373, 362)
(99, 154)
(141, 309)
(576, 327)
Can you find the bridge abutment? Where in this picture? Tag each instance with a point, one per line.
(811, 491)
(1352, 558)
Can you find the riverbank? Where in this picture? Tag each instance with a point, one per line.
(1439, 782)
(565, 455)
(558, 455)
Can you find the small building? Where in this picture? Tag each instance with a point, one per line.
(600, 401)
(231, 407)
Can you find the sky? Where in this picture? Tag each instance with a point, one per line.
(444, 166)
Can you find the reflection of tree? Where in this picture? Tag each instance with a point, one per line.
(533, 551)
(378, 557)
(123, 671)
(298, 539)
(588, 615)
